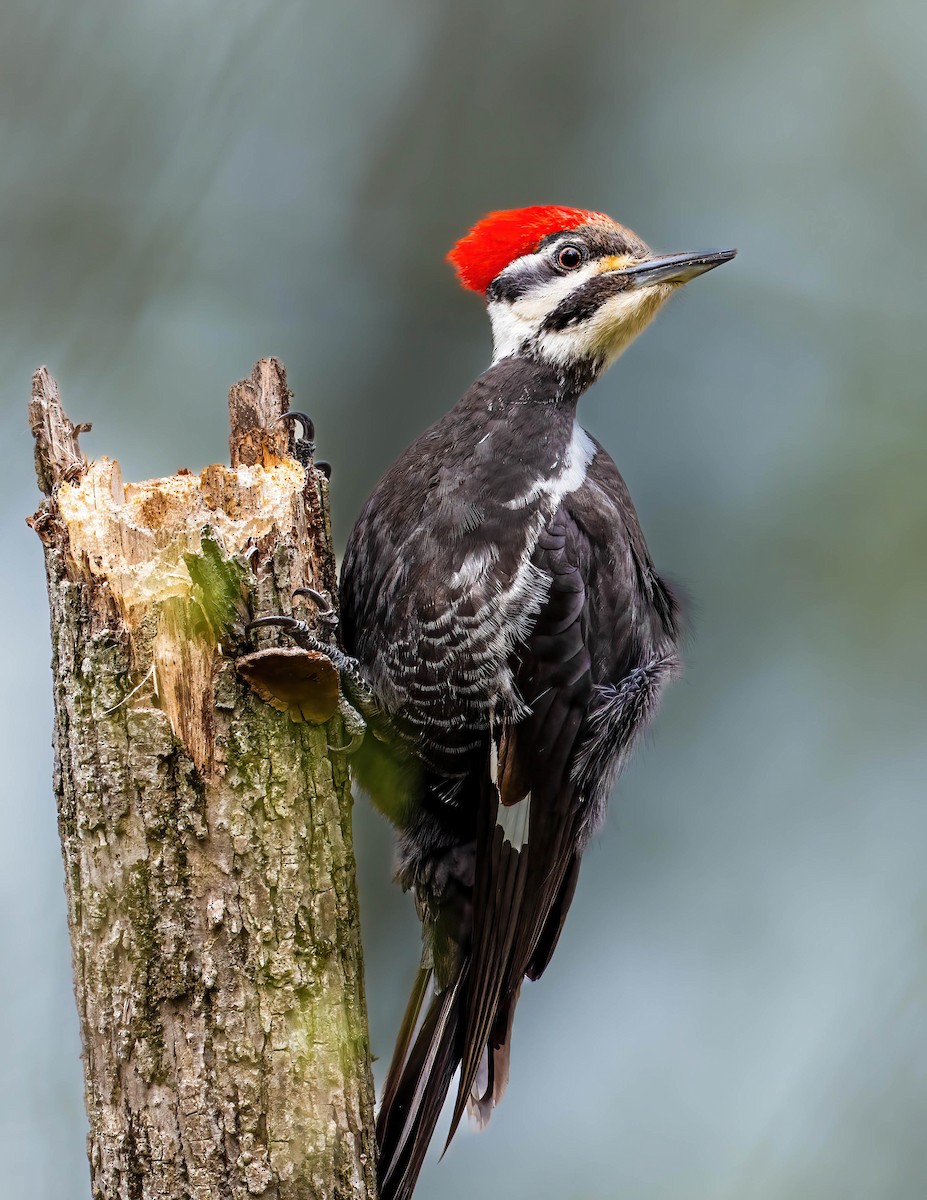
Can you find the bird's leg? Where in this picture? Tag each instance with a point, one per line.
(354, 726)
(360, 704)
(304, 446)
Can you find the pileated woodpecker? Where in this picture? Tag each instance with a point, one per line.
(509, 639)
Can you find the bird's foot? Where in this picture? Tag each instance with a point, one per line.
(299, 632)
(362, 702)
(304, 443)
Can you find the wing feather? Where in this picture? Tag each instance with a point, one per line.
(519, 889)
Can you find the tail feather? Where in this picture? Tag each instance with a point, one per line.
(419, 1079)
(408, 1031)
(492, 1076)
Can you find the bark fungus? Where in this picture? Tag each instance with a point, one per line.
(206, 835)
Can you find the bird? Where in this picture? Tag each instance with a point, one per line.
(506, 638)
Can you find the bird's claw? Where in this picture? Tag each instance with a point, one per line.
(352, 746)
(298, 630)
(354, 726)
(304, 445)
(305, 423)
(326, 613)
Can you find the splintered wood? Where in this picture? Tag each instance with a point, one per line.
(206, 836)
(143, 543)
(173, 555)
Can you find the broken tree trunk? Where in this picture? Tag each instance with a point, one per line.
(206, 835)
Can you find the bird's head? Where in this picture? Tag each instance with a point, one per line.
(569, 285)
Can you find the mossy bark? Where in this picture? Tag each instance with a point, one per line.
(206, 836)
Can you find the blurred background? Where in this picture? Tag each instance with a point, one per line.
(738, 1010)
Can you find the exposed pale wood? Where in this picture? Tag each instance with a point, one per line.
(206, 836)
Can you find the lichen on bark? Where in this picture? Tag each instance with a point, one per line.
(206, 836)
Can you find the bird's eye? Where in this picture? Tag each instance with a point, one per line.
(569, 257)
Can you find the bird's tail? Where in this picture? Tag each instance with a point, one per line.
(492, 1075)
(427, 1054)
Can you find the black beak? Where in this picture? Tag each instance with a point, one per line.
(675, 268)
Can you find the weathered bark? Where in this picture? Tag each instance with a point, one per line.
(209, 867)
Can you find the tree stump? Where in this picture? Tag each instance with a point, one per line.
(206, 835)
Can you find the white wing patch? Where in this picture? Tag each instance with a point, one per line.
(513, 820)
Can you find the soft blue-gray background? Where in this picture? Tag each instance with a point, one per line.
(737, 1011)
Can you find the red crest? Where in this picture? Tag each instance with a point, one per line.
(501, 237)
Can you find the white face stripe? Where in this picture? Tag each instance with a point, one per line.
(514, 321)
(610, 329)
(535, 304)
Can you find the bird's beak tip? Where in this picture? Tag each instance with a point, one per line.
(677, 268)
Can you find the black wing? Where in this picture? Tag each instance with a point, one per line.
(590, 673)
(528, 828)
